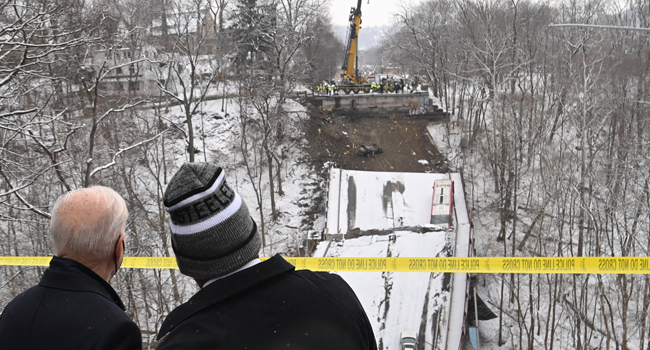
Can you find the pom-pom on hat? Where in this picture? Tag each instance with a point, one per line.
(212, 231)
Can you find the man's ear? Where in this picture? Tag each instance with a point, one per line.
(120, 247)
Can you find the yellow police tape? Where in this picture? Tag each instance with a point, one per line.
(590, 265)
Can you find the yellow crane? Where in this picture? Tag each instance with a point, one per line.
(351, 80)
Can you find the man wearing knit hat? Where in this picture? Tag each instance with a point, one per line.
(245, 303)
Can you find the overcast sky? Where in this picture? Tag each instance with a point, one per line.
(373, 12)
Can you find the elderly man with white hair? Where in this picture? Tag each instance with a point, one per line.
(73, 306)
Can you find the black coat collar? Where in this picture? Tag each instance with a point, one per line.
(68, 274)
(224, 288)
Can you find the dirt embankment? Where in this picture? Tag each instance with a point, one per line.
(404, 140)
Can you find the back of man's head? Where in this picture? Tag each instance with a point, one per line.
(87, 222)
(213, 233)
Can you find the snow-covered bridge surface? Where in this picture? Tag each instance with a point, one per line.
(387, 213)
(378, 200)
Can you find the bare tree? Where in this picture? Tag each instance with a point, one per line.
(194, 62)
(554, 114)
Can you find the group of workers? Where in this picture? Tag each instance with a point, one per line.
(390, 86)
(393, 86)
(385, 87)
(327, 89)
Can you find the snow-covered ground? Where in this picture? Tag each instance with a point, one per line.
(378, 200)
(392, 206)
(402, 300)
(448, 140)
(395, 206)
(219, 142)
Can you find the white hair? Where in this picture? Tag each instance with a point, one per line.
(92, 236)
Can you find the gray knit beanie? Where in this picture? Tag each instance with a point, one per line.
(212, 231)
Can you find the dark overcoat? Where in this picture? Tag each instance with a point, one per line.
(71, 308)
(270, 306)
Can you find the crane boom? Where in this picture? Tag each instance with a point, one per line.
(349, 64)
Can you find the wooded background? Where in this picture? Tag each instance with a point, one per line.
(556, 120)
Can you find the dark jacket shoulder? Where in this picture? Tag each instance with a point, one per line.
(71, 307)
(270, 306)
